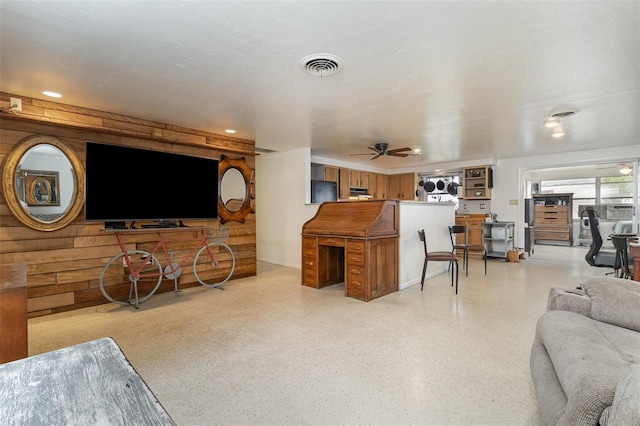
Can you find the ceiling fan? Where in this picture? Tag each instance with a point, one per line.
(382, 148)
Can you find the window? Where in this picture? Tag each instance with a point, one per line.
(609, 189)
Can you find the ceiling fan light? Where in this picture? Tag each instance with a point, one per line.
(558, 132)
(626, 169)
(551, 122)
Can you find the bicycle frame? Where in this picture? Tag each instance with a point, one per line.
(173, 267)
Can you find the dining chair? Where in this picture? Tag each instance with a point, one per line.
(620, 243)
(465, 247)
(438, 256)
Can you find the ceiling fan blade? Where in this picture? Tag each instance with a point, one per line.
(376, 156)
(395, 154)
(374, 149)
(364, 153)
(393, 151)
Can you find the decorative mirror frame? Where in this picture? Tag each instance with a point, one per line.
(12, 161)
(225, 215)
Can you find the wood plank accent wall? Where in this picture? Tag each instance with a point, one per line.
(63, 266)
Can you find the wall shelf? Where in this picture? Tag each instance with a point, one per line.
(477, 183)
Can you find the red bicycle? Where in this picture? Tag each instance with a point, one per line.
(132, 276)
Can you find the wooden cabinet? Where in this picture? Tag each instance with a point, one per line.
(344, 184)
(332, 174)
(477, 183)
(13, 312)
(403, 186)
(373, 184)
(553, 218)
(381, 187)
(473, 222)
(359, 179)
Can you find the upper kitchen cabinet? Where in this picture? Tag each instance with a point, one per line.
(331, 174)
(477, 182)
(359, 179)
(403, 186)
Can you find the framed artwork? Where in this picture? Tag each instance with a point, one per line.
(41, 187)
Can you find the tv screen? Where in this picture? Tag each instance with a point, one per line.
(125, 183)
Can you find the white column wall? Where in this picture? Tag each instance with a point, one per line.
(282, 181)
(434, 218)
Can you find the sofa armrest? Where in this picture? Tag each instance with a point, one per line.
(625, 409)
(562, 299)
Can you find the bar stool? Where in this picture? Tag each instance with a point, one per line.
(438, 256)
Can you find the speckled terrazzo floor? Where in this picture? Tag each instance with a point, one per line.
(267, 351)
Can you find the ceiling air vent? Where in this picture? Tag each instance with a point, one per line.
(321, 64)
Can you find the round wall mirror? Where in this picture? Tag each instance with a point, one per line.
(234, 180)
(233, 190)
(43, 183)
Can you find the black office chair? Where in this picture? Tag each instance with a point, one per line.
(465, 247)
(622, 252)
(595, 256)
(438, 256)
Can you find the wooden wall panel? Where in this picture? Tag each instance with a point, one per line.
(63, 267)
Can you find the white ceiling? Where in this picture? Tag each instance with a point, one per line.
(458, 80)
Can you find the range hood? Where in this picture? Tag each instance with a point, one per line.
(358, 193)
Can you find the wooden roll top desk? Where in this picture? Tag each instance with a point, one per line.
(355, 242)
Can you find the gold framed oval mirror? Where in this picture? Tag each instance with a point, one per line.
(234, 198)
(43, 183)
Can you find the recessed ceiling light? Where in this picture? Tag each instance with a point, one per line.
(52, 94)
(417, 151)
(230, 131)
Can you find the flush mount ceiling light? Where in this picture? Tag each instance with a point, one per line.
(230, 131)
(551, 122)
(625, 169)
(321, 64)
(557, 132)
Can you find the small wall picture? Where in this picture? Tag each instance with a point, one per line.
(41, 187)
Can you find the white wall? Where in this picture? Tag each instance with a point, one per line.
(282, 181)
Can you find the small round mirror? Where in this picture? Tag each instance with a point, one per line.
(43, 182)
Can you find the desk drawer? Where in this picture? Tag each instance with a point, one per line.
(355, 283)
(558, 235)
(355, 247)
(309, 252)
(355, 259)
(331, 241)
(308, 242)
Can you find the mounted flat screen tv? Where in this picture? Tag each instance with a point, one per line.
(134, 184)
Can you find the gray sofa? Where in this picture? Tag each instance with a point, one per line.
(585, 358)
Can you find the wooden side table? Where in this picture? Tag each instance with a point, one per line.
(13, 312)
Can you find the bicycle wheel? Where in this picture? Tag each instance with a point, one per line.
(214, 264)
(117, 283)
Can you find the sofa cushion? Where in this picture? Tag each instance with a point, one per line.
(615, 303)
(587, 357)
